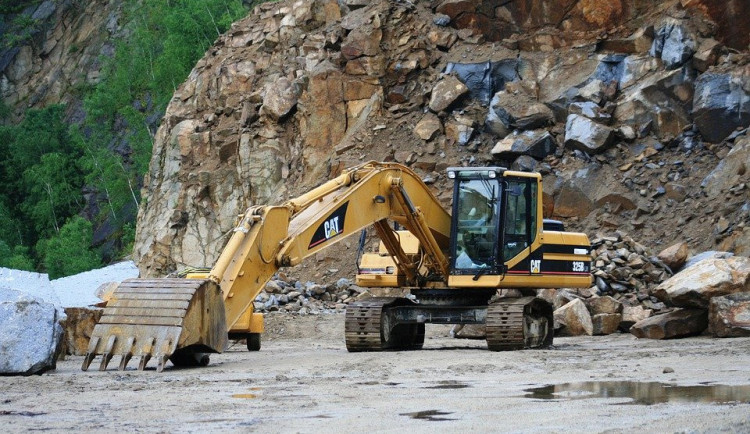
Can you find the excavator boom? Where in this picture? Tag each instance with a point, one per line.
(182, 319)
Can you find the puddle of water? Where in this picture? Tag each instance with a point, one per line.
(448, 386)
(645, 393)
(245, 395)
(429, 415)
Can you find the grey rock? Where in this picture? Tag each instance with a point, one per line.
(711, 254)
(486, 78)
(592, 111)
(673, 45)
(586, 135)
(525, 163)
(30, 334)
(536, 143)
(441, 20)
(44, 11)
(721, 104)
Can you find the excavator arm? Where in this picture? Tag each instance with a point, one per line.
(180, 319)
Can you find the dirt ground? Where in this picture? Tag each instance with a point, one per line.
(303, 380)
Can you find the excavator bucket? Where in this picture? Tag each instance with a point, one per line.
(164, 319)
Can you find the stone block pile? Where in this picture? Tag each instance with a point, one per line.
(285, 295)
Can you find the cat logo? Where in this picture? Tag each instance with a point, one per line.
(331, 227)
(536, 266)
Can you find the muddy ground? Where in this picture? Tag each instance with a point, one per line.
(303, 380)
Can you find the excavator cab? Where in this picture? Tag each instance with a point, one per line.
(494, 218)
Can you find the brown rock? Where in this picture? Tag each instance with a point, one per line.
(676, 192)
(632, 315)
(442, 38)
(733, 17)
(372, 66)
(605, 323)
(572, 202)
(707, 54)
(695, 285)
(679, 323)
(280, 98)
(428, 127)
(675, 255)
(730, 170)
(604, 305)
(78, 326)
(469, 331)
(729, 316)
(362, 41)
(446, 92)
(460, 133)
(574, 319)
(638, 42)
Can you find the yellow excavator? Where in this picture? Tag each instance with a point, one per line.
(452, 264)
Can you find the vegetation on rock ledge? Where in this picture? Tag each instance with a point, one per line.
(54, 173)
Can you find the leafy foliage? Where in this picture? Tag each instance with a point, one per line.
(69, 251)
(47, 164)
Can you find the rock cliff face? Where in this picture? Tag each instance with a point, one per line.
(65, 43)
(624, 107)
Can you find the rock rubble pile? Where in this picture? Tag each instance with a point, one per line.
(292, 296)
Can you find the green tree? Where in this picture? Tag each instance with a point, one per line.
(69, 252)
(17, 257)
(53, 192)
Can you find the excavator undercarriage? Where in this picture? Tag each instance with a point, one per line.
(398, 323)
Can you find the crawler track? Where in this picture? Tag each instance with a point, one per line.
(518, 323)
(369, 326)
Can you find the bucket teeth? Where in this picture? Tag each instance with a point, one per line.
(90, 353)
(156, 317)
(144, 360)
(107, 354)
(161, 361)
(127, 353)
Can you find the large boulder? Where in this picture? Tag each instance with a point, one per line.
(679, 323)
(30, 334)
(729, 316)
(573, 319)
(694, 286)
(586, 135)
(721, 103)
